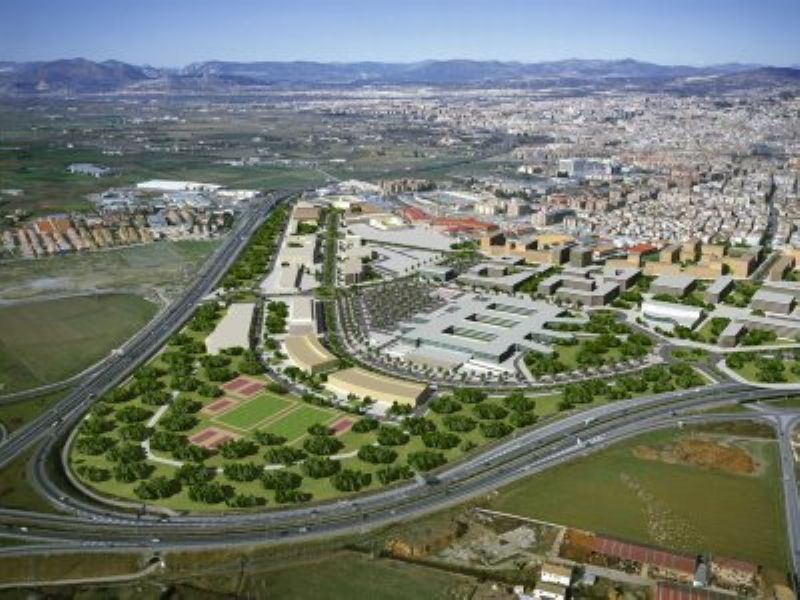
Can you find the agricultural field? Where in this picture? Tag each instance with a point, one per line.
(158, 271)
(654, 489)
(46, 341)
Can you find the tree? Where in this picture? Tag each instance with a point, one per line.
(266, 438)
(445, 405)
(394, 473)
(291, 496)
(319, 429)
(391, 436)
(440, 440)
(377, 454)
(238, 448)
(190, 452)
(135, 432)
(92, 473)
(192, 474)
(322, 445)
(245, 501)
(318, 467)
(364, 425)
(97, 425)
(489, 411)
(172, 421)
(460, 423)
(519, 403)
(426, 460)
(126, 453)
(495, 429)
(210, 492)
(133, 471)
(166, 441)
(469, 395)
(133, 414)
(281, 480)
(242, 471)
(284, 455)
(158, 487)
(522, 419)
(349, 480)
(418, 425)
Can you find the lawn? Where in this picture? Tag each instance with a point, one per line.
(246, 416)
(47, 341)
(616, 493)
(295, 423)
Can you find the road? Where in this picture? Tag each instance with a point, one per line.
(87, 526)
(71, 408)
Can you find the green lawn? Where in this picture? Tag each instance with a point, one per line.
(251, 413)
(683, 507)
(46, 341)
(295, 424)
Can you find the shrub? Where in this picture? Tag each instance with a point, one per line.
(377, 454)
(318, 467)
(391, 436)
(349, 480)
(440, 440)
(426, 460)
(322, 445)
(364, 425)
(495, 429)
(460, 423)
(281, 480)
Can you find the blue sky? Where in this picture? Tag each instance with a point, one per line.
(177, 32)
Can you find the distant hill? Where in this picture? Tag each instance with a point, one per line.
(80, 76)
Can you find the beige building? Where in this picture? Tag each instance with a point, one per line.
(362, 383)
(308, 354)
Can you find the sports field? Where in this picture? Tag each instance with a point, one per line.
(249, 414)
(46, 341)
(675, 505)
(295, 423)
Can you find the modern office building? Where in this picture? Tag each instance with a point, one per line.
(494, 276)
(773, 302)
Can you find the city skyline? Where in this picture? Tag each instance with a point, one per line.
(180, 32)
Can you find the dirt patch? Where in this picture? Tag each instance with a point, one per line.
(705, 453)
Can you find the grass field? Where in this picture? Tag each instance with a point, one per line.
(246, 416)
(295, 423)
(679, 506)
(163, 265)
(346, 575)
(46, 341)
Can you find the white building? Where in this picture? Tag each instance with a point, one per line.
(233, 329)
(671, 314)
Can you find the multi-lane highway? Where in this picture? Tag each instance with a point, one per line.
(89, 526)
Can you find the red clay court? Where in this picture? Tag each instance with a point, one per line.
(235, 384)
(219, 406)
(242, 386)
(341, 426)
(211, 437)
(644, 554)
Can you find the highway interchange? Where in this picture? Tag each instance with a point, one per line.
(86, 526)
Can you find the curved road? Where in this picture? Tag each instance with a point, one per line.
(87, 526)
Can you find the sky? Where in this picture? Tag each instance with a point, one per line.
(170, 33)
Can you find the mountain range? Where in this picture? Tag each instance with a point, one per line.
(81, 76)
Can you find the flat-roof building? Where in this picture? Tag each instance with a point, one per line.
(494, 276)
(718, 289)
(674, 285)
(489, 329)
(363, 383)
(731, 335)
(774, 302)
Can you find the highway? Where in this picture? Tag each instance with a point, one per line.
(86, 525)
(66, 413)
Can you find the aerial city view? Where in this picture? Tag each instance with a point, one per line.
(436, 299)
